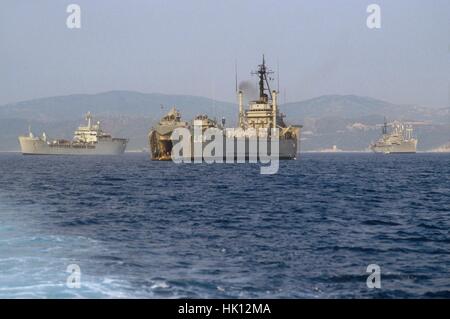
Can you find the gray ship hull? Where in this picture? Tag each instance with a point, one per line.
(36, 146)
(288, 148)
(402, 148)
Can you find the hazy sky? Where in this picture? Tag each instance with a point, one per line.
(190, 47)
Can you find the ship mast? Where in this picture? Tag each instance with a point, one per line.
(384, 131)
(262, 74)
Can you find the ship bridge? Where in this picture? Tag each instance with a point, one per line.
(90, 133)
(262, 113)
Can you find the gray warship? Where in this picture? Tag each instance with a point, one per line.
(398, 139)
(87, 140)
(261, 115)
(264, 114)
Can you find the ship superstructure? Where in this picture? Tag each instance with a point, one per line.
(87, 140)
(396, 138)
(263, 114)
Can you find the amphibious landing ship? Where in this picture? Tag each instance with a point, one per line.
(88, 140)
(398, 140)
(255, 122)
(160, 136)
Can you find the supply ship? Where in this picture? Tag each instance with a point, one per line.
(399, 139)
(87, 140)
(254, 122)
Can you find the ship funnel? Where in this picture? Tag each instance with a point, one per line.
(89, 118)
(275, 106)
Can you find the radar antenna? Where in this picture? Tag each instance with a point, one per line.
(262, 74)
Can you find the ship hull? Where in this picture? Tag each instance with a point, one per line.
(35, 146)
(403, 148)
(161, 148)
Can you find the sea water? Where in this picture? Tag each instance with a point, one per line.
(138, 228)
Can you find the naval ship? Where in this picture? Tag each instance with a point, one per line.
(160, 136)
(160, 141)
(87, 140)
(398, 139)
(264, 114)
(260, 116)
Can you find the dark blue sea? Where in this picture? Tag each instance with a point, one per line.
(138, 228)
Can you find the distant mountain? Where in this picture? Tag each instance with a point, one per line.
(353, 106)
(113, 104)
(350, 122)
(123, 113)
